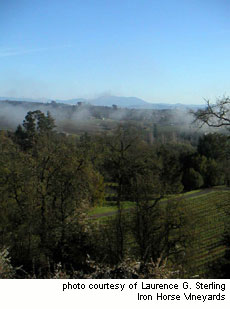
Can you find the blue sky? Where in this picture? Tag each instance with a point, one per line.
(161, 51)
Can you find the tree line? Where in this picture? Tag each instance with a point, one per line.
(49, 181)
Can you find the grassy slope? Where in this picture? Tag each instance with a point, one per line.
(111, 206)
(208, 213)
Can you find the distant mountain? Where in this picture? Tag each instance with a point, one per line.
(124, 102)
(130, 102)
(38, 100)
(42, 100)
(133, 102)
(70, 101)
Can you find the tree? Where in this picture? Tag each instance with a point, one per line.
(212, 145)
(192, 179)
(35, 124)
(170, 170)
(213, 175)
(36, 121)
(217, 116)
(155, 131)
(119, 164)
(214, 115)
(44, 192)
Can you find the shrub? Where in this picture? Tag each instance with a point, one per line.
(6, 269)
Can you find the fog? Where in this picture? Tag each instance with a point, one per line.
(85, 116)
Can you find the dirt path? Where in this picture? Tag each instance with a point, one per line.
(203, 192)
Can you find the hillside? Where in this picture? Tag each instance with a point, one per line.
(125, 102)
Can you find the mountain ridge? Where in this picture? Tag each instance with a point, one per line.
(107, 100)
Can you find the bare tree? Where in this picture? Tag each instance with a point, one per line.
(214, 115)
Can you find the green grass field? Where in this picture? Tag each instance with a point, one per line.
(111, 206)
(208, 212)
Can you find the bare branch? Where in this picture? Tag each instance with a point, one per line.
(214, 115)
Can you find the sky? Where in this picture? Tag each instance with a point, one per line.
(166, 51)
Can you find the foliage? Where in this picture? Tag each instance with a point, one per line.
(127, 269)
(212, 145)
(49, 181)
(7, 271)
(192, 179)
(35, 124)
